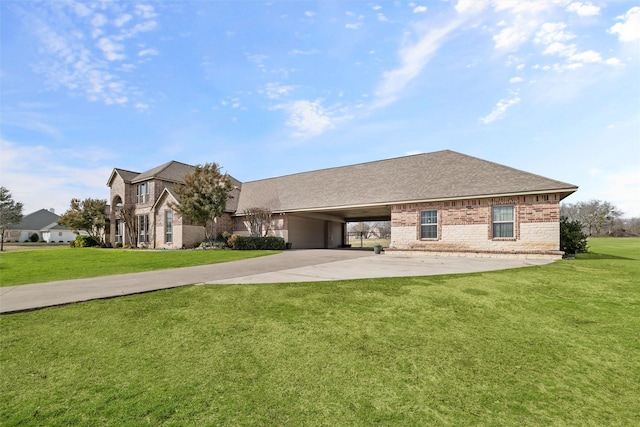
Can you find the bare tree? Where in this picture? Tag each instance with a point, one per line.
(127, 214)
(259, 221)
(382, 229)
(594, 215)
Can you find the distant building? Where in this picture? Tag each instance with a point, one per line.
(44, 223)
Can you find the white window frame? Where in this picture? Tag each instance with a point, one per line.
(142, 192)
(429, 223)
(119, 231)
(496, 224)
(143, 228)
(168, 226)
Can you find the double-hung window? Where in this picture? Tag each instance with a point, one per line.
(429, 224)
(142, 192)
(168, 226)
(503, 222)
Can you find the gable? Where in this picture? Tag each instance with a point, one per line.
(36, 220)
(126, 176)
(171, 172)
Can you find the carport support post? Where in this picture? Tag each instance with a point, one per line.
(361, 238)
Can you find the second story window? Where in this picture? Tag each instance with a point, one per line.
(142, 193)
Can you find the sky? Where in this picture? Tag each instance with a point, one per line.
(271, 88)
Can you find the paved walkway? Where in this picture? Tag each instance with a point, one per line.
(288, 266)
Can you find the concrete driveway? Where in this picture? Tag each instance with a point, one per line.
(288, 266)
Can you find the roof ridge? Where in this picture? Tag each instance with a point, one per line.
(352, 165)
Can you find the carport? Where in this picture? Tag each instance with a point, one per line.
(326, 228)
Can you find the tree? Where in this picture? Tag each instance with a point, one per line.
(362, 229)
(594, 215)
(383, 229)
(88, 215)
(259, 221)
(127, 214)
(10, 213)
(572, 239)
(203, 196)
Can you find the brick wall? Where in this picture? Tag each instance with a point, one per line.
(466, 225)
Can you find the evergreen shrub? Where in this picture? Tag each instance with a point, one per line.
(259, 243)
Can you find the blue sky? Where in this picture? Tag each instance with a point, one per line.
(272, 88)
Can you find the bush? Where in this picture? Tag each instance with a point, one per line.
(85, 242)
(572, 239)
(214, 244)
(34, 238)
(258, 243)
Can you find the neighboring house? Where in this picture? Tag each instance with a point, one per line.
(439, 202)
(44, 223)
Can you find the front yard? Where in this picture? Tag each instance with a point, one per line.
(52, 263)
(551, 345)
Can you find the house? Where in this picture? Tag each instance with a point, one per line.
(44, 223)
(441, 202)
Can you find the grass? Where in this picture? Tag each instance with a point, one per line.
(63, 263)
(369, 243)
(551, 345)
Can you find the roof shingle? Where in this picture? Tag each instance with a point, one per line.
(433, 176)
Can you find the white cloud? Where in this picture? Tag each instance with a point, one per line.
(420, 9)
(70, 59)
(354, 26)
(276, 90)
(471, 6)
(589, 56)
(413, 58)
(515, 80)
(148, 52)
(111, 51)
(146, 11)
(584, 9)
(500, 109)
(121, 20)
(58, 182)
(310, 13)
(511, 38)
(304, 52)
(382, 17)
(629, 29)
(310, 118)
(553, 32)
(560, 49)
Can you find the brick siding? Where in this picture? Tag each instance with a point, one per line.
(466, 226)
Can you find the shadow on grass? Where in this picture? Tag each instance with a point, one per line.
(592, 256)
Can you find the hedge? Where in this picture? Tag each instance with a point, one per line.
(84, 242)
(259, 243)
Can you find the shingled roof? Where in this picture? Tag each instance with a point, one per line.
(442, 175)
(37, 220)
(171, 171)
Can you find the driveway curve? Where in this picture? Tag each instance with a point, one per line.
(289, 266)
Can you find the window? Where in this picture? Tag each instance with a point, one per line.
(168, 226)
(142, 193)
(429, 224)
(503, 222)
(119, 228)
(143, 228)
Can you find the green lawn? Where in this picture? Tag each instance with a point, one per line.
(552, 345)
(63, 263)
